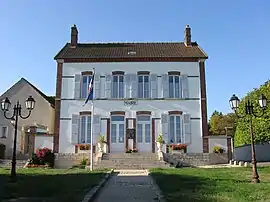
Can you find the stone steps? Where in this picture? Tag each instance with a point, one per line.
(130, 161)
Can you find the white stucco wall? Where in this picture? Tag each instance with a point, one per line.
(190, 106)
(220, 141)
(43, 141)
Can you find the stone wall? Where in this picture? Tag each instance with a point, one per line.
(199, 159)
(67, 160)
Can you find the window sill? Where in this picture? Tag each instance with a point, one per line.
(3, 137)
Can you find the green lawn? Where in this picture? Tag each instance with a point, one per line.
(52, 184)
(217, 184)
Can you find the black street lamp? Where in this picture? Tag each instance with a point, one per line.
(249, 111)
(17, 109)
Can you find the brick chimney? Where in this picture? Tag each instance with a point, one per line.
(74, 35)
(187, 36)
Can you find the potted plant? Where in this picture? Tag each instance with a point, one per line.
(160, 142)
(101, 142)
(218, 150)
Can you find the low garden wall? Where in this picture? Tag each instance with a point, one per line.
(67, 160)
(197, 159)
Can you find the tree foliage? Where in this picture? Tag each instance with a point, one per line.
(218, 122)
(261, 126)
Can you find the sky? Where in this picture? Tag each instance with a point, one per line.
(234, 34)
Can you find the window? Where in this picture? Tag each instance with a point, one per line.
(4, 130)
(143, 129)
(85, 129)
(118, 86)
(118, 129)
(175, 134)
(84, 86)
(174, 86)
(143, 86)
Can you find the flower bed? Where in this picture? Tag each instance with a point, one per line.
(42, 158)
(177, 147)
(83, 146)
(132, 151)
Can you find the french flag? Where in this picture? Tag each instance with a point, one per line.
(90, 90)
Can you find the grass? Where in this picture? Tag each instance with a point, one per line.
(217, 184)
(50, 184)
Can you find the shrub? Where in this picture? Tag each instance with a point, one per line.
(218, 149)
(43, 156)
(160, 139)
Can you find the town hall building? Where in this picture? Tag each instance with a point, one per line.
(153, 88)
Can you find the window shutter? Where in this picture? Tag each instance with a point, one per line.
(187, 128)
(96, 127)
(134, 85)
(108, 86)
(165, 128)
(77, 86)
(154, 86)
(165, 85)
(75, 129)
(127, 86)
(97, 86)
(185, 90)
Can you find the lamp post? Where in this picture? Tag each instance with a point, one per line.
(17, 112)
(249, 111)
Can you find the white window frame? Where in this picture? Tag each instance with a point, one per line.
(144, 123)
(86, 128)
(175, 141)
(117, 123)
(116, 94)
(82, 87)
(174, 87)
(143, 85)
(4, 135)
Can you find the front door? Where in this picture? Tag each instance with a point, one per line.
(144, 138)
(118, 134)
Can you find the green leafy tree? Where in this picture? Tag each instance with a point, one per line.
(261, 126)
(218, 122)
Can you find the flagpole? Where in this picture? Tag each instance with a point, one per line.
(92, 120)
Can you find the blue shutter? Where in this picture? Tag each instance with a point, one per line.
(96, 127)
(75, 128)
(165, 127)
(185, 87)
(108, 86)
(187, 128)
(165, 85)
(77, 86)
(127, 86)
(97, 86)
(134, 85)
(154, 86)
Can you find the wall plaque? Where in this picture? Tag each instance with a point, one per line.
(130, 102)
(130, 133)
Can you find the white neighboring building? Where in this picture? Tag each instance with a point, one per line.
(151, 87)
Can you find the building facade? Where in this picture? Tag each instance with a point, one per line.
(34, 132)
(152, 88)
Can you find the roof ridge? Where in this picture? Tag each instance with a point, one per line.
(40, 92)
(156, 42)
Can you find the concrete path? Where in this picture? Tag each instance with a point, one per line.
(128, 186)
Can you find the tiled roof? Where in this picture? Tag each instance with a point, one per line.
(131, 50)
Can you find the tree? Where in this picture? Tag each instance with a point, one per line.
(261, 126)
(218, 122)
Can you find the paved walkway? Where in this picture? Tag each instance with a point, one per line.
(128, 186)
